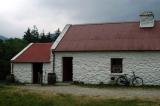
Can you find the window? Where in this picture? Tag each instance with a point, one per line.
(116, 65)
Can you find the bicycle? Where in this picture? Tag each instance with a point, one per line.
(133, 80)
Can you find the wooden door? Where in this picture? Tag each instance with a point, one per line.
(67, 69)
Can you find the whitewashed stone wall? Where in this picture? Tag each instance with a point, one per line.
(95, 67)
(23, 72)
(47, 68)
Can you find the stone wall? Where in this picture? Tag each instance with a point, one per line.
(23, 72)
(95, 67)
(47, 68)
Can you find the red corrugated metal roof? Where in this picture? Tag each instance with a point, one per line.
(110, 37)
(37, 52)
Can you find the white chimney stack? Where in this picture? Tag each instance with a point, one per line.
(146, 20)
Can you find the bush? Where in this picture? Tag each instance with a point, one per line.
(101, 84)
(81, 83)
(4, 69)
(10, 78)
(75, 82)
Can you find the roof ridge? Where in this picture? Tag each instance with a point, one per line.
(103, 23)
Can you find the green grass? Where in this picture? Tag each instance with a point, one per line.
(13, 96)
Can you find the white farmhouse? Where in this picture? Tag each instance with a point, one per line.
(93, 53)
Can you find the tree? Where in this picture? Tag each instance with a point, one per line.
(31, 35)
(35, 34)
(57, 33)
(28, 36)
(42, 38)
(13, 46)
(1, 49)
(49, 39)
(8, 49)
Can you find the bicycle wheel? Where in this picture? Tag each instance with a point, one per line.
(137, 81)
(121, 81)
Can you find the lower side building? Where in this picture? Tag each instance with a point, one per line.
(33, 63)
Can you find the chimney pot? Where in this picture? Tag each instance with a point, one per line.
(146, 19)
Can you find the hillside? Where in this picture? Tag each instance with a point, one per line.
(2, 37)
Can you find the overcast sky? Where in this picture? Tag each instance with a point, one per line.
(17, 15)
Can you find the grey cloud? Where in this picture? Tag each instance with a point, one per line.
(103, 10)
(51, 14)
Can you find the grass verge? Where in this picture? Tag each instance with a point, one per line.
(13, 96)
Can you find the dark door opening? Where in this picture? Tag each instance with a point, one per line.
(37, 73)
(67, 69)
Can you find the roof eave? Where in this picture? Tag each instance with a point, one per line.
(21, 52)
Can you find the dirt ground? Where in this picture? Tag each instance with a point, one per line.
(129, 93)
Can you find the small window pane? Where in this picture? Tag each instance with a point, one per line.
(116, 65)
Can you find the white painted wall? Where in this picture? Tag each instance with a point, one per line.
(47, 68)
(23, 72)
(94, 67)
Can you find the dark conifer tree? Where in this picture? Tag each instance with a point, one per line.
(28, 36)
(49, 39)
(42, 37)
(35, 34)
(57, 33)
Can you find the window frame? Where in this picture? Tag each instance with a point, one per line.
(121, 65)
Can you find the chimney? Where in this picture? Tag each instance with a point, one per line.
(146, 19)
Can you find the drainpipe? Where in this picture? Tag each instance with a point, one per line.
(53, 61)
(11, 68)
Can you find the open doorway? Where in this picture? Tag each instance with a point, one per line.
(37, 73)
(67, 69)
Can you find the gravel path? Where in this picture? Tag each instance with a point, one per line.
(107, 92)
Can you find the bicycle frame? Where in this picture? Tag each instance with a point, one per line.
(129, 79)
(125, 80)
